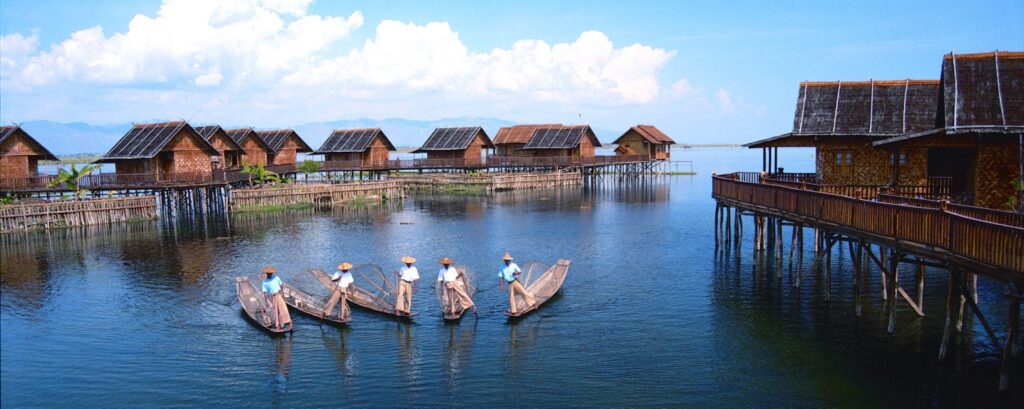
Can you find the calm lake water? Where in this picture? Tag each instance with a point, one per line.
(144, 315)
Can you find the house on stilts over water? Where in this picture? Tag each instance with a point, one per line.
(166, 151)
(365, 147)
(255, 150)
(20, 153)
(510, 140)
(463, 146)
(229, 152)
(645, 140)
(576, 141)
(284, 144)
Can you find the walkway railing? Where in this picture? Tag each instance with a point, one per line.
(962, 231)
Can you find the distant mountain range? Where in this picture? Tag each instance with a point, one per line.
(81, 138)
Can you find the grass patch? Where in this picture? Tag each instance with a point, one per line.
(457, 189)
(271, 208)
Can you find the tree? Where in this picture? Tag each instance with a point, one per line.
(259, 174)
(71, 179)
(309, 166)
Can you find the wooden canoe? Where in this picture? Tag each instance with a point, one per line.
(442, 295)
(543, 287)
(311, 305)
(255, 305)
(383, 301)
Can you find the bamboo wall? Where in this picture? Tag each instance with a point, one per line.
(254, 153)
(998, 165)
(871, 166)
(287, 154)
(321, 194)
(18, 158)
(76, 213)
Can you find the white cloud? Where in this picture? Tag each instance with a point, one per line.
(209, 80)
(725, 102)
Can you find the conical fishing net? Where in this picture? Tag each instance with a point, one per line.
(444, 295)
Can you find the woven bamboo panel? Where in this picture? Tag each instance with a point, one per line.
(997, 167)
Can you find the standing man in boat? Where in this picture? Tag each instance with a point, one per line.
(272, 292)
(510, 275)
(408, 280)
(343, 279)
(454, 281)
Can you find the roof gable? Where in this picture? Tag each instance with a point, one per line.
(353, 140)
(275, 139)
(866, 107)
(518, 134)
(11, 130)
(145, 141)
(561, 137)
(240, 135)
(650, 133)
(985, 89)
(210, 133)
(454, 139)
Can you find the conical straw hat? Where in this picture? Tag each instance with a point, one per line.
(269, 270)
(408, 260)
(507, 256)
(345, 266)
(446, 260)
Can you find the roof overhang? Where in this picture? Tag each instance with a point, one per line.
(990, 130)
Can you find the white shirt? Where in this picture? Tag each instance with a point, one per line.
(410, 274)
(448, 274)
(343, 279)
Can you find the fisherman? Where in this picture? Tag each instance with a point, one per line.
(510, 275)
(272, 293)
(408, 281)
(454, 281)
(343, 279)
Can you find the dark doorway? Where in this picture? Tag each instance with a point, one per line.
(958, 165)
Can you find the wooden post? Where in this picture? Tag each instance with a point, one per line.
(857, 275)
(1012, 332)
(920, 285)
(828, 268)
(718, 211)
(885, 290)
(963, 301)
(894, 273)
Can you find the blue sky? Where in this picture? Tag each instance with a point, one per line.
(706, 72)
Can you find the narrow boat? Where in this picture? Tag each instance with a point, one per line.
(372, 290)
(255, 305)
(311, 305)
(543, 286)
(447, 311)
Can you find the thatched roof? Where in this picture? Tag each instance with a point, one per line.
(352, 140)
(518, 134)
(650, 133)
(981, 93)
(876, 109)
(10, 130)
(561, 137)
(208, 132)
(453, 139)
(145, 141)
(276, 138)
(240, 135)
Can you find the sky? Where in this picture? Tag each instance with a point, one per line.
(704, 72)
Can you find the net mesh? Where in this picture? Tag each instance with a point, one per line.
(442, 293)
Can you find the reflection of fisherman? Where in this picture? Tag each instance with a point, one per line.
(272, 293)
(342, 279)
(510, 274)
(406, 286)
(455, 283)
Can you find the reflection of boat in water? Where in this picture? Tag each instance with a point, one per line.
(312, 305)
(372, 289)
(255, 305)
(455, 310)
(338, 346)
(542, 285)
(284, 363)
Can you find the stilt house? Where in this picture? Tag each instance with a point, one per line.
(511, 139)
(463, 146)
(255, 150)
(165, 150)
(229, 152)
(284, 146)
(563, 141)
(20, 153)
(645, 140)
(368, 146)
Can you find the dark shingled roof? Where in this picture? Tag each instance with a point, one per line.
(9, 130)
(275, 139)
(876, 109)
(352, 140)
(650, 133)
(561, 137)
(519, 133)
(239, 135)
(453, 139)
(144, 141)
(208, 132)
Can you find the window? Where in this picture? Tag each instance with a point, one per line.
(844, 162)
(902, 158)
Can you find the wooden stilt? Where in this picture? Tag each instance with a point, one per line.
(963, 301)
(718, 212)
(894, 273)
(828, 268)
(920, 287)
(858, 264)
(953, 291)
(885, 290)
(1012, 333)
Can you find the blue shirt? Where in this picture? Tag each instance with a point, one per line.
(272, 285)
(508, 272)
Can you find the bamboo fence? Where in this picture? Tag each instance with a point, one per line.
(76, 213)
(321, 194)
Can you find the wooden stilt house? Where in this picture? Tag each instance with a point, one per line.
(284, 145)
(563, 141)
(842, 119)
(645, 140)
(976, 140)
(20, 153)
(511, 139)
(255, 151)
(457, 146)
(229, 152)
(368, 147)
(166, 151)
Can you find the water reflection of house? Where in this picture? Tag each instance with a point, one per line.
(563, 141)
(645, 140)
(368, 146)
(510, 140)
(255, 150)
(229, 152)
(464, 145)
(161, 149)
(976, 138)
(20, 153)
(284, 146)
